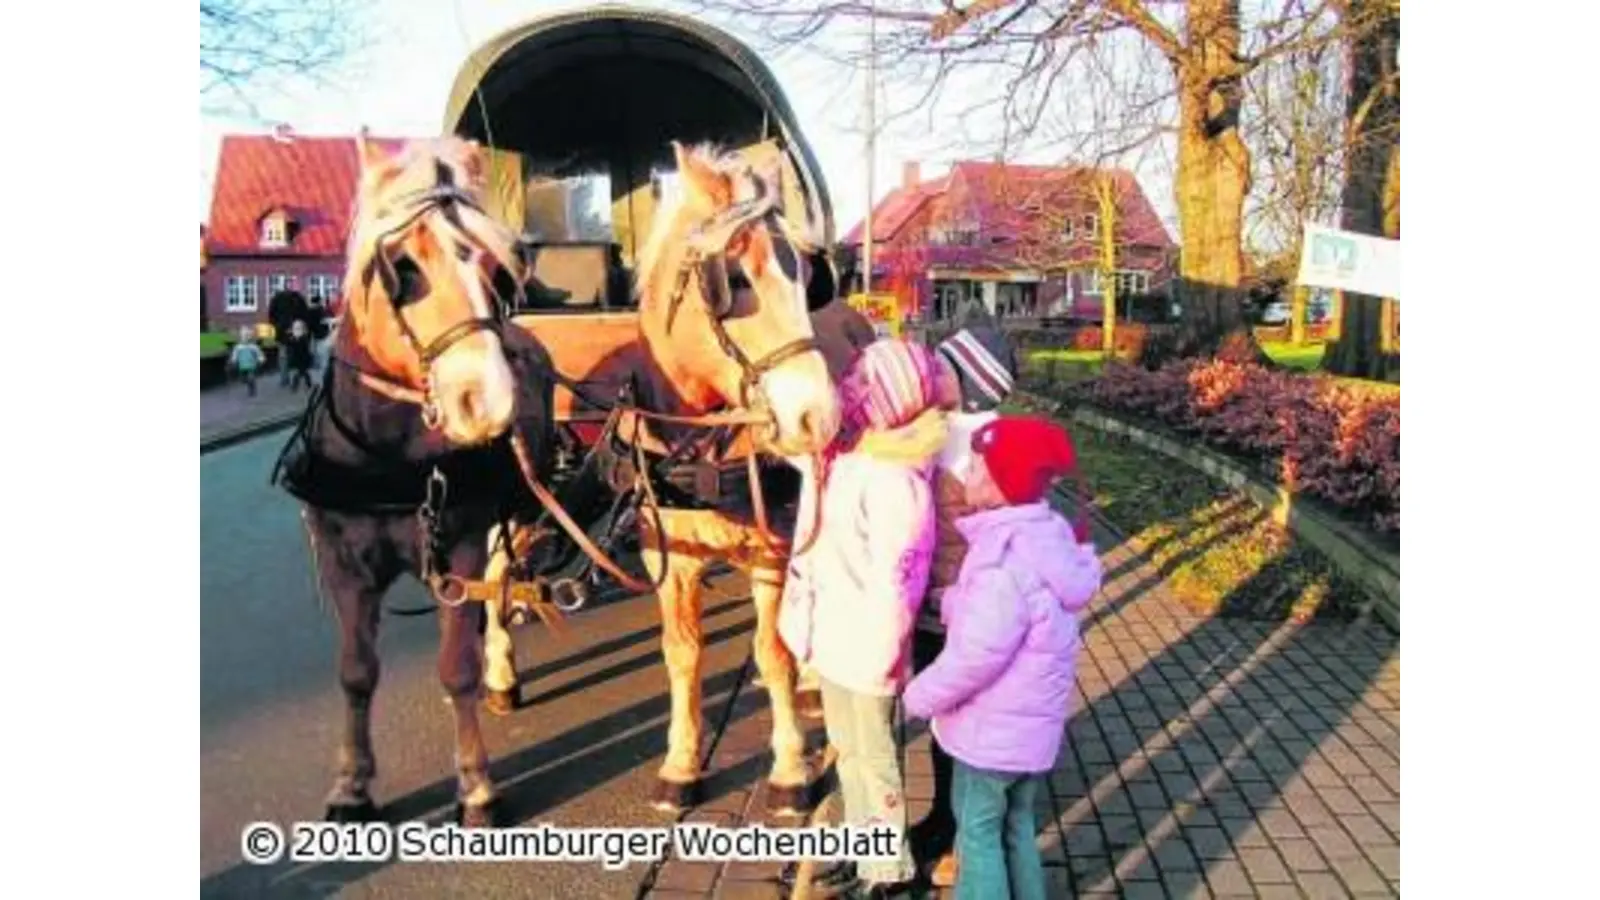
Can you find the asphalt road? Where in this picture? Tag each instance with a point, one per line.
(581, 752)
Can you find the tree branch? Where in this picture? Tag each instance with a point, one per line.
(1136, 15)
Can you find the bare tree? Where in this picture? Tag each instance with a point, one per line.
(247, 44)
(1294, 123)
(1107, 75)
(1366, 345)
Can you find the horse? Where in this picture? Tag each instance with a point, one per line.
(401, 462)
(731, 368)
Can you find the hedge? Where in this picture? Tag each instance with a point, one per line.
(1316, 333)
(1314, 434)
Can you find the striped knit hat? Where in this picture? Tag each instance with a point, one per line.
(890, 383)
(984, 363)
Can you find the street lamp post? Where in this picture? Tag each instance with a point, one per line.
(872, 134)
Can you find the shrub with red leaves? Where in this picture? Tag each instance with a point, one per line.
(1314, 434)
(1129, 338)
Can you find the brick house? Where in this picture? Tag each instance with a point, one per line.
(280, 211)
(1023, 240)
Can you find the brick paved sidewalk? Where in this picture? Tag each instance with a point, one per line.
(1208, 757)
(229, 407)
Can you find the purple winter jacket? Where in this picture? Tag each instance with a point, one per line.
(1000, 693)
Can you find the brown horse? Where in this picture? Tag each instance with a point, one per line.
(725, 285)
(423, 383)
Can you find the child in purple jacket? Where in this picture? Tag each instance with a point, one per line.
(999, 694)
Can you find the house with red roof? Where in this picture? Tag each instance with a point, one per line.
(280, 213)
(1022, 240)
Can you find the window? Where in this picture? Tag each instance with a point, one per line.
(275, 231)
(1091, 226)
(1016, 299)
(241, 294)
(1066, 230)
(1127, 283)
(322, 287)
(279, 283)
(1130, 283)
(665, 185)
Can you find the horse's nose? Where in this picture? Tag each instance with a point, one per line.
(472, 405)
(810, 428)
(816, 427)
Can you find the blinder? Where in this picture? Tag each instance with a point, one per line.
(823, 285)
(721, 279)
(403, 282)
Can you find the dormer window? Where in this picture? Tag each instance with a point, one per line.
(275, 230)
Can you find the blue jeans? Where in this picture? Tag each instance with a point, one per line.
(995, 835)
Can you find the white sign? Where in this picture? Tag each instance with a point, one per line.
(1346, 261)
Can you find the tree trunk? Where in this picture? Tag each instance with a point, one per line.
(1212, 181)
(1106, 197)
(1297, 315)
(1365, 348)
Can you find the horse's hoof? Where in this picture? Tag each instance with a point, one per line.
(674, 796)
(786, 800)
(363, 811)
(482, 816)
(808, 704)
(501, 703)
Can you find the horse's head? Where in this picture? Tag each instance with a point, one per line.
(428, 271)
(726, 285)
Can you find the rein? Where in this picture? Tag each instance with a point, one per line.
(453, 590)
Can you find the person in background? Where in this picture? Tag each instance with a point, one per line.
(849, 601)
(977, 370)
(247, 358)
(1000, 692)
(297, 355)
(283, 310)
(317, 321)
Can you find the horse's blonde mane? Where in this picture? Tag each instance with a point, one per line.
(664, 245)
(380, 206)
(658, 258)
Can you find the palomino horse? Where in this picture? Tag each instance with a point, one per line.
(399, 461)
(725, 289)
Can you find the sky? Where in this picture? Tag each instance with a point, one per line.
(398, 85)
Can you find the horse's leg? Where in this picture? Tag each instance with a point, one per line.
(357, 595)
(786, 784)
(351, 798)
(500, 661)
(461, 673)
(680, 596)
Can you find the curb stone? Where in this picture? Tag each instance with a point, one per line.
(223, 439)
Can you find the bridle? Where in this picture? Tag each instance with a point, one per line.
(707, 260)
(446, 198)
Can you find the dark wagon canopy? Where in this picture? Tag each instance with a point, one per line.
(604, 90)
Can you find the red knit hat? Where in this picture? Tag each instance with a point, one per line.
(1024, 455)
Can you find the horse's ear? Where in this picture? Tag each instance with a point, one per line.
(473, 160)
(373, 157)
(713, 188)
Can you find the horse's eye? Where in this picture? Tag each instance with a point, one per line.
(411, 285)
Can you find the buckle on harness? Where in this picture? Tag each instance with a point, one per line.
(707, 483)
